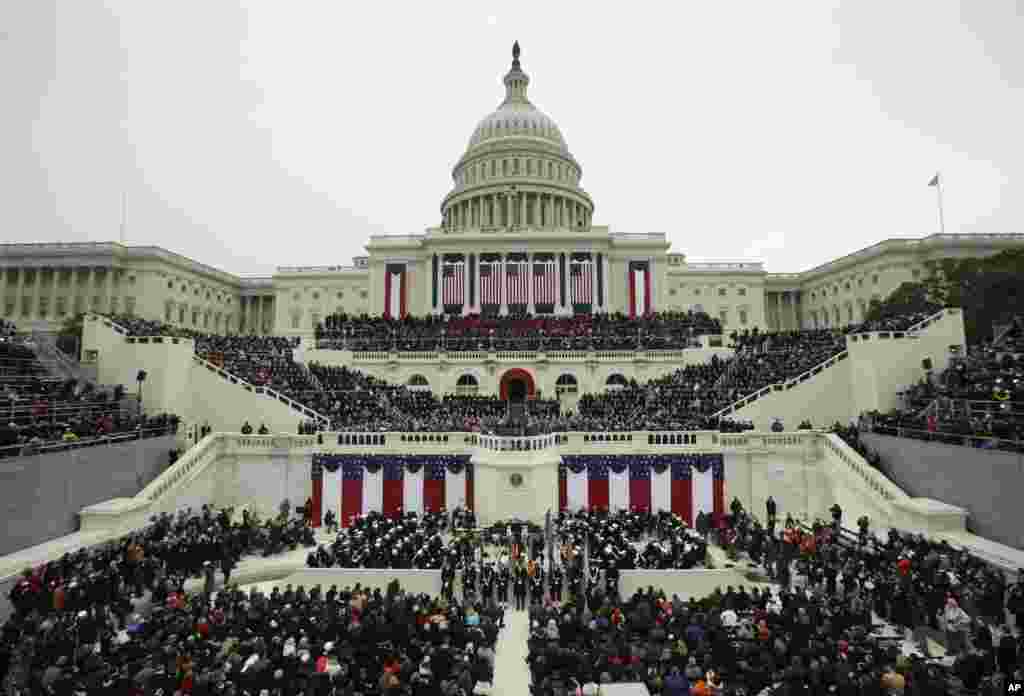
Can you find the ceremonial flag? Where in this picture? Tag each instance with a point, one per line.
(545, 289)
(490, 283)
(454, 286)
(433, 487)
(685, 485)
(394, 291)
(581, 284)
(359, 485)
(934, 181)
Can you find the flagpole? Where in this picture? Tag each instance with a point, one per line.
(124, 216)
(938, 190)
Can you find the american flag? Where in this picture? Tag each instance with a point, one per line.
(545, 287)
(518, 279)
(454, 285)
(490, 283)
(581, 285)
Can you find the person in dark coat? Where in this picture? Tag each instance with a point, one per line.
(1007, 652)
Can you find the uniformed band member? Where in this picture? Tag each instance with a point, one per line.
(556, 580)
(519, 587)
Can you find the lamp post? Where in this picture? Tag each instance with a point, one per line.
(140, 378)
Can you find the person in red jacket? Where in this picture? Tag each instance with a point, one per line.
(903, 566)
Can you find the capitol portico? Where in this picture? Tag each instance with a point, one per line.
(516, 234)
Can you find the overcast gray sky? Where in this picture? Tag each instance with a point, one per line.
(251, 135)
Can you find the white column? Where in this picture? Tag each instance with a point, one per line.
(52, 303)
(437, 284)
(593, 281)
(20, 291)
(503, 310)
(652, 301)
(607, 281)
(531, 307)
(466, 309)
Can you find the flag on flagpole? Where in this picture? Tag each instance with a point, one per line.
(934, 181)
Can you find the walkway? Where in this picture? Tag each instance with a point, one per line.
(511, 673)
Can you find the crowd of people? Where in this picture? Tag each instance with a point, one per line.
(81, 431)
(115, 618)
(688, 398)
(655, 331)
(895, 322)
(977, 401)
(814, 634)
(39, 412)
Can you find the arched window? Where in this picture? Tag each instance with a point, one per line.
(418, 383)
(467, 385)
(566, 384)
(615, 382)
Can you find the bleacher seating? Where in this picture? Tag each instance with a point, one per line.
(659, 331)
(977, 401)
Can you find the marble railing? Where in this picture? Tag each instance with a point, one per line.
(520, 356)
(305, 411)
(909, 332)
(781, 386)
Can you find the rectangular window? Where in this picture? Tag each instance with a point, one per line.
(723, 317)
(167, 313)
(721, 292)
(113, 305)
(96, 300)
(44, 306)
(129, 306)
(743, 317)
(8, 308)
(295, 321)
(742, 292)
(79, 305)
(26, 306)
(181, 315)
(62, 306)
(874, 279)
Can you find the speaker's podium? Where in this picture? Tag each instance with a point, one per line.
(631, 689)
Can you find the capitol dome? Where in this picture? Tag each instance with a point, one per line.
(517, 119)
(518, 151)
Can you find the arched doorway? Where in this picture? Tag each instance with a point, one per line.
(615, 382)
(517, 385)
(467, 385)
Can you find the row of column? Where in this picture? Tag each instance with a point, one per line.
(786, 320)
(517, 209)
(17, 292)
(598, 295)
(254, 314)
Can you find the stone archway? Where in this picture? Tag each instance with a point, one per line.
(517, 385)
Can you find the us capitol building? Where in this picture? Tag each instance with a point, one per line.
(516, 233)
